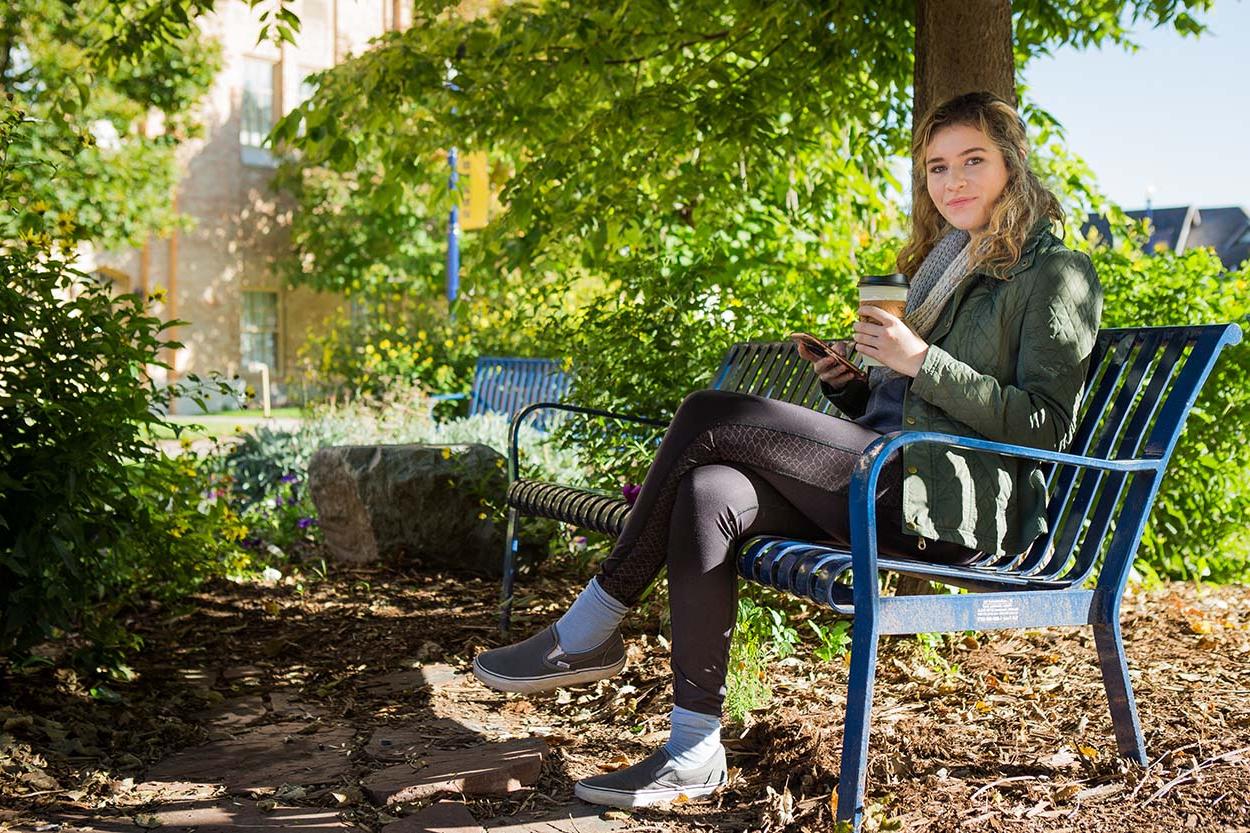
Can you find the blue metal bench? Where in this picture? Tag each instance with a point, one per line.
(1141, 385)
(507, 385)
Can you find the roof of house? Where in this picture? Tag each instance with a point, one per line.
(1225, 229)
(1217, 227)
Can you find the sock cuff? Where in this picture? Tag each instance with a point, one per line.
(687, 719)
(605, 598)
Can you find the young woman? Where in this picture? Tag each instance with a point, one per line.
(995, 341)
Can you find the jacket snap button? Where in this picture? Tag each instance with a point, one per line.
(912, 469)
(911, 420)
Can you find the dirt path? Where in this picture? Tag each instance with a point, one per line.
(307, 697)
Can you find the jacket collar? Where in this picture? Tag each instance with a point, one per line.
(1027, 254)
(1039, 231)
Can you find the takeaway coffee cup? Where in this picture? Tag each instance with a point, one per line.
(889, 292)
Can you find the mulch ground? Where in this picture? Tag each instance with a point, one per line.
(1004, 731)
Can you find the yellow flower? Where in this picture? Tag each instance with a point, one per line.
(481, 516)
(446, 453)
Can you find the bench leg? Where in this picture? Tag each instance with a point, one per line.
(509, 572)
(858, 717)
(1114, 666)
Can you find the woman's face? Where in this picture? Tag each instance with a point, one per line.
(966, 175)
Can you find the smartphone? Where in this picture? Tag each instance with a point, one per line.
(820, 348)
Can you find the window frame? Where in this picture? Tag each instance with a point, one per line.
(250, 329)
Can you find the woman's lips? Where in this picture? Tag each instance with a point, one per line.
(961, 201)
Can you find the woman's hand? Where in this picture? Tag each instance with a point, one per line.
(888, 340)
(831, 371)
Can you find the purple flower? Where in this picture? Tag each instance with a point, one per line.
(304, 523)
(630, 492)
(289, 477)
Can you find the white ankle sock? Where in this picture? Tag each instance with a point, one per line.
(694, 739)
(591, 619)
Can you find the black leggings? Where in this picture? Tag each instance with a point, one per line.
(731, 466)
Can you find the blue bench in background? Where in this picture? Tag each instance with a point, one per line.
(508, 385)
(1141, 385)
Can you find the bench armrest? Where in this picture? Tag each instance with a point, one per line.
(868, 470)
(525, 412)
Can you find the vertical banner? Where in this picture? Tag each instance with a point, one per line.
(475, 196)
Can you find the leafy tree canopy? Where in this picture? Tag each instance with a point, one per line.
(80, 83)
(608, 120)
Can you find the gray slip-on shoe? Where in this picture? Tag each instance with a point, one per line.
(540, 664)
(652, 780)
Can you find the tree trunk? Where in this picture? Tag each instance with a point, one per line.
(961, 46)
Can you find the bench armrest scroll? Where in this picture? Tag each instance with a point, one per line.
(514, 428)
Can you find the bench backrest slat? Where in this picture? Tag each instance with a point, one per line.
(506, 385)
(1146, 410)
(771, 369)
(1149, 375)
(1102, 425)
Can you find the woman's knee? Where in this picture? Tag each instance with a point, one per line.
(710, 404)
(714, 495)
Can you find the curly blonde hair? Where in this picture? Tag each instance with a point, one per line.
(1024, 201)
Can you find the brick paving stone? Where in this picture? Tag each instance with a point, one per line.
(575, 817)
(242, 673)
(488, 769)
(441, 817)
(392, 744)
(219, 816)
(433, 675)
(266, 757)
(236, 713)
(287, 705)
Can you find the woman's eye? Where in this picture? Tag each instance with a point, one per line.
(975, 160)
(937, 169)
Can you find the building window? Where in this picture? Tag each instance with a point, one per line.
(258, 332)
(257, 114)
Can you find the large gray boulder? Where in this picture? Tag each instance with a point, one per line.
(439, 504)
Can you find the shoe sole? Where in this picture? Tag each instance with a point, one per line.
(533, 685)
(622, 798)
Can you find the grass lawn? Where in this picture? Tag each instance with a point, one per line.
(224, 423)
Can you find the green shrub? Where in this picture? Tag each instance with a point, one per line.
(1197, 529)
(762, 633)
(91, 513)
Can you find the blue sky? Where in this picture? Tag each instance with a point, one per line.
(1174, 115)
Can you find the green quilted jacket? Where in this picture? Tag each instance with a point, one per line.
(1007, 362)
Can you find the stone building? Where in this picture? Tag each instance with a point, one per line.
(217, 275)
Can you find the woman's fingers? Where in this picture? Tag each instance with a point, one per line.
(806, 354)
(833, 372)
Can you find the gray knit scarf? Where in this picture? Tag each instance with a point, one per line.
(941, 273)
